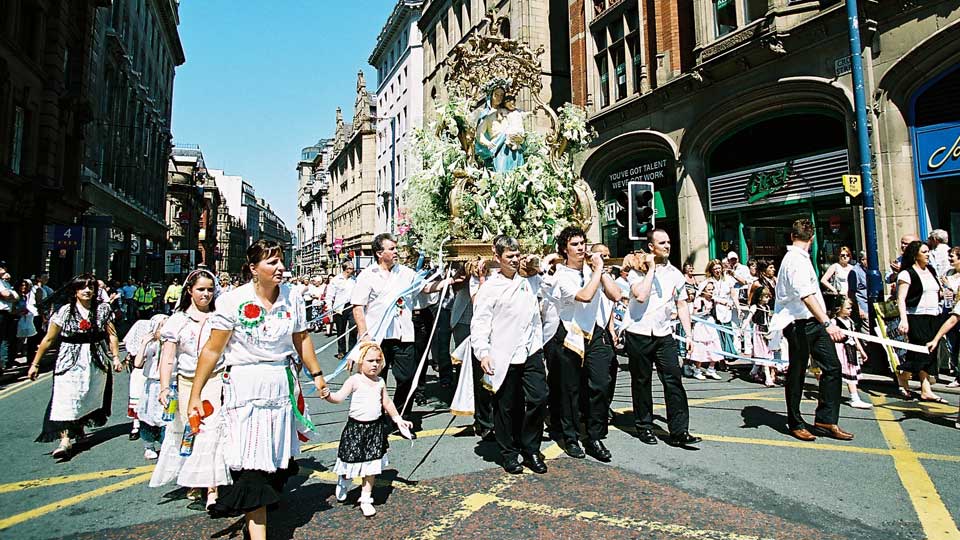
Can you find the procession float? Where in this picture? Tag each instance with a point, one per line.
(487, 168)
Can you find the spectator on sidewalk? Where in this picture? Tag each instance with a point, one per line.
(938, 242)
(172, 296)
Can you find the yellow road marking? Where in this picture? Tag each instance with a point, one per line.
(70, 501)
(638, 525)
(552, 452)
(57, 480)
(934, 517)
(11, 390)
(470, 505)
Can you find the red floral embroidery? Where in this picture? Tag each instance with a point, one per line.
(251, 311)
(84, 325)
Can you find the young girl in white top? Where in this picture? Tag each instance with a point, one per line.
(144, 348)
(183, 337)
(706, 339)
(850, 352)
(756, 329)
(363, 444)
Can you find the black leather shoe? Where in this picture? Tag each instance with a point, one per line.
(134, 435)
(646, 436)
(598, 451)
(535, 463)
(513, 466)
(572, 448)
(683, 439)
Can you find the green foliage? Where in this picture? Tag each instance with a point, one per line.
(532, 202)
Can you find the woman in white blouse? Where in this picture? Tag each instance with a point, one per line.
(182, 338)
(918, 298)
(257, 329)
(725, 297)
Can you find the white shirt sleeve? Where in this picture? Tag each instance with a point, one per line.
(803, 281)
(904, 276)
(481, 325)
(225, 317)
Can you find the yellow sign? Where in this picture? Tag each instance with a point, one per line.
(852, 185)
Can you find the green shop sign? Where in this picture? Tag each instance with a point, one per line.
(762, 184)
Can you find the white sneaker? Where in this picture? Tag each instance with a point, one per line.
(858, 404)
(712, 373)
(698, 374)
(343, 486)
(366, 506)
(150, 454)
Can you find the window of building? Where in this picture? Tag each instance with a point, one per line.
(725, 16)
(619, 50)
(16, 149)
(756, 10)
(603, 70)
(636, 58)
(620, 69)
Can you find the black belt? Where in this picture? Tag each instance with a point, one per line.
(84, 337)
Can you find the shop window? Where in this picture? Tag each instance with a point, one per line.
(620, 69)
(725, 16)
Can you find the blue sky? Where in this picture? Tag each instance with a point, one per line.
(263, 79)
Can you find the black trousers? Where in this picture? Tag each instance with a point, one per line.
(342, 321)
(643, 352)
(422, 325)
(519, 407)
(482, 398)
(440, 349)
(808, 338)
(399, 356)
(571, 377)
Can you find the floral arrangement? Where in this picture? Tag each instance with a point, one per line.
(452, 195)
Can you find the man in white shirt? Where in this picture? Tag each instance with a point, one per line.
(580, 352)
(654, 297)
(939, 244)
(339, 294)
(507, 334)
(383, 316)
(8, 324)
(809, 332)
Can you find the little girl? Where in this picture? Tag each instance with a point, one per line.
(850, 351)
(757, 324)
(706, 340)
(149, 410)
(363, 444)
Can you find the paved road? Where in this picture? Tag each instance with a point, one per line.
(748, 480)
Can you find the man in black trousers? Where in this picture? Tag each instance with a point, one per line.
(653, 298)
(810, 332)
(507, 334)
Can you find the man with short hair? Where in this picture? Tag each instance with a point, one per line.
(939, 243)
(384, 316)
(654, 297)
(857, 291)
(894, 271)
(507, 333)
(809, 332)
(340, 290)
(580, 352)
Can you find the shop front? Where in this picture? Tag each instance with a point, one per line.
(935, 133)
(768, 174)
(610, 170)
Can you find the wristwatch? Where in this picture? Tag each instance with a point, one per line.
(827, 323)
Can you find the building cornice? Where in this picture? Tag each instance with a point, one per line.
(402, 13)
(168, 10)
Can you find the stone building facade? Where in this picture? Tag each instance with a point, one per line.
(313, 205)
(444, 24)
(272, 227)
(46, 104)
(127, 145)
(353, 175)
(741, 114)
(398, 59)
(193, 206)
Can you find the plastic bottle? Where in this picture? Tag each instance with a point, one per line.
(173, 404)
(193, 427)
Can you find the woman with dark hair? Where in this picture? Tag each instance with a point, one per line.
(82, 381)
(183, 337)
(918, 299)
(766, 278)
(725, 301)
(257, 329)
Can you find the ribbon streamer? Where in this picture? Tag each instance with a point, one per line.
(423, 359)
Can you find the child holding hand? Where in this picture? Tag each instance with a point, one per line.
(363, 444)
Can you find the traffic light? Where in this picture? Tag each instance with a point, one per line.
(621, 203)
(640, 210)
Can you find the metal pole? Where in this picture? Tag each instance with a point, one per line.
(874, 282)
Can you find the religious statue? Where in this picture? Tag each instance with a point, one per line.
(500, 134)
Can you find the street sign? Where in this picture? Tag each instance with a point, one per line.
(65, 237)
(610, 211)
(337, 245)
(852, 185)
(842, 66)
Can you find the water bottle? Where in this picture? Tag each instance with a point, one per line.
(172, 404)
(189, 434)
